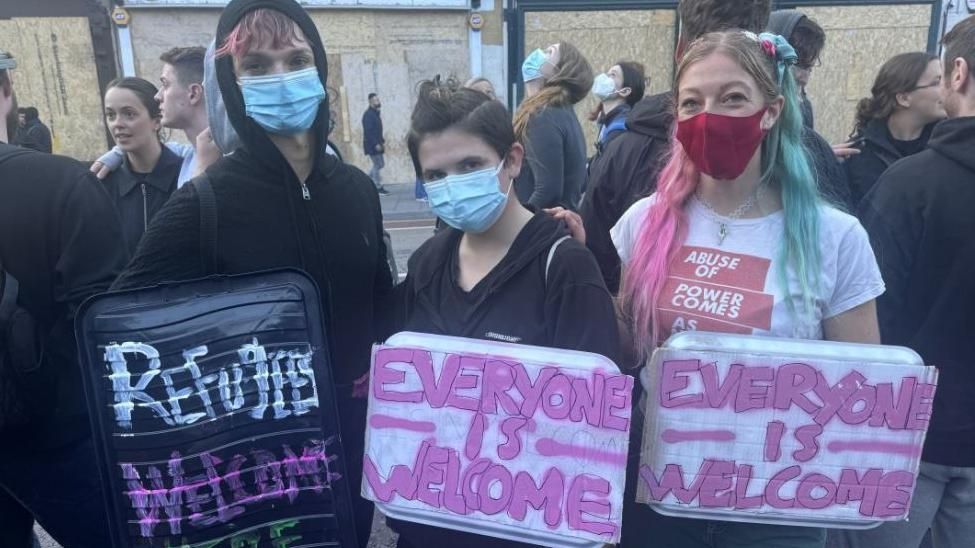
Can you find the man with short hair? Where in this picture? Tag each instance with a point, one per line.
(281, 201)
(629, 164)
(920, 221)
(33, 134)
(57, 228)
(373, 143)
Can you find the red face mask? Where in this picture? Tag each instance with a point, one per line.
(721, 146)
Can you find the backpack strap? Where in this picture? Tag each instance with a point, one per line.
(9, 289)
(208, 223)
(551, 255)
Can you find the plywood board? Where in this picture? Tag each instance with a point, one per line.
(56, 73)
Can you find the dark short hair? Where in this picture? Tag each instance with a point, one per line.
(143, 89)
(443, 105)
(960, 42)
(699, 17)
(187, 62)
(635, 79)
(30, 113)
(808, 39)
(371, 95)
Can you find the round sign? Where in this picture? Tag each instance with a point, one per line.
(120, 16)
(476, 21)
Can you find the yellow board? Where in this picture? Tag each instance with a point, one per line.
(56, 73)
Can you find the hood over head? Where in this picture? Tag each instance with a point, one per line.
(252, 136)
(783, 22)
(223, 133)
(653, 116)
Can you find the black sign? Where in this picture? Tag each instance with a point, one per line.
(215, 412)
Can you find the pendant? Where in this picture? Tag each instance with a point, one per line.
(722, 232)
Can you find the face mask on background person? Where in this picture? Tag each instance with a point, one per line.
(283, 103)
(531, 69)
(471, 202)
(604, 88)
(721, 146)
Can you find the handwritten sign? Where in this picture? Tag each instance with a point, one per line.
(213, 405)
(518, 442)
(784, 431)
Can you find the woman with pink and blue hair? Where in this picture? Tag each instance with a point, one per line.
(737, 240)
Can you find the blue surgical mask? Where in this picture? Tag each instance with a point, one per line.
(531, 69)
(283, 103)
(604, 87)
(471, 202)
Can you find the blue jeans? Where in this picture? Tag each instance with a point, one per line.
(419, 191)
(378, 163)
(61, 488)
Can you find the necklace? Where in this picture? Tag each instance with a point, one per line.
(745, 206)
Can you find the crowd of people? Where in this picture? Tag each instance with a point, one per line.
(544, 242)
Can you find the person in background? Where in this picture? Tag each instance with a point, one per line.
(556, 78)
(618, 89)
(482, 84)
(33, 134)
(56, 228)
(182, 103)
(149, 170)
(628, 166)
(499, 272)
(919, 217)
(738, 183)
(808, 39)
(373, 142)
(897, 119)
(280, 200)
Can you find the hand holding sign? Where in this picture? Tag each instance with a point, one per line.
(518, 442)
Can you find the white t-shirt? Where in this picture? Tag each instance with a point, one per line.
(735, 287)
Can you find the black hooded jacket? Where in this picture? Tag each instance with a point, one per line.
(625, 171)
(920, 221)
(263, 221)
(877, 153)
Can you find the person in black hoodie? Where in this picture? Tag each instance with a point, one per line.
(282, 201)
(627, 169)
(149, 171)
(499, 272)
(919, 217)
(57, 234)
(896, 120)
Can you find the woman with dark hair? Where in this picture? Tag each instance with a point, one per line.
(499, 272)
(897, 119)
(149, 172)
(555, 148)
(618, 90)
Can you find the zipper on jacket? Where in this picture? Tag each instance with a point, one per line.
(145, 208)
(305, 193)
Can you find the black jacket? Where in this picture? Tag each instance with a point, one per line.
(555, 160)
(920, 221)
(372, 131)
(514, 303)
(877, 153)
(263, 221)
(139, 197)
(57, 225)
(827, 170)
(35, 136)
(624, 172)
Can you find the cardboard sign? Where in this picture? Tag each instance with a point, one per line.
(518, 442)
(784, 431)
(214, 416)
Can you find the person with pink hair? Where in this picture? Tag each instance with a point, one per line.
(736, 239)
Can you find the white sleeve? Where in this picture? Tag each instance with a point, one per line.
(858, 278)
(180, 149)
(625, 232)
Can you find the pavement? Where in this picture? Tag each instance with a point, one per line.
(401, 205)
